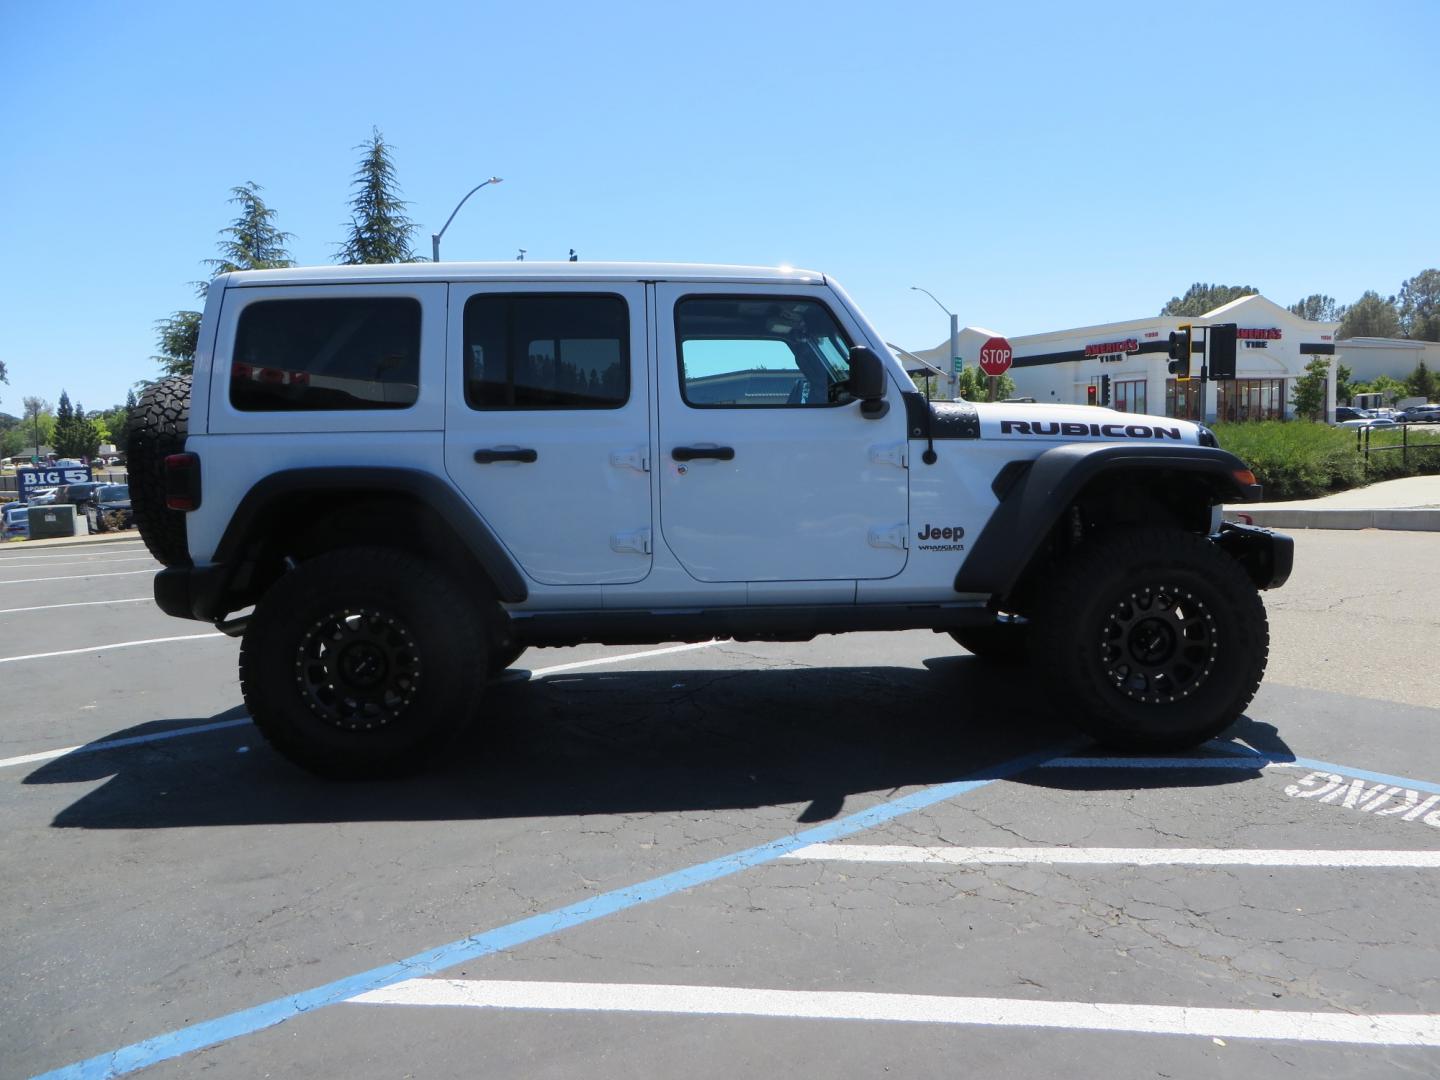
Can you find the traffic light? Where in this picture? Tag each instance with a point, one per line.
(1220, 350)
(1104, 389)
(1091, 394)
(1180, 352)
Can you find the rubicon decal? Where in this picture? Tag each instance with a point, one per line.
(1075, 429)
(941, 537)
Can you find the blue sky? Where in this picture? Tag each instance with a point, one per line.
(1035, 166)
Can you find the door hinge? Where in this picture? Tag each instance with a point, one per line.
(634, 458)
(637, 541)
(896, 536)
(896, 454)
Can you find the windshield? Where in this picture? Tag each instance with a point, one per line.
(114, 493)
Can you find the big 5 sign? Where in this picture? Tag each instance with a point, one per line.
(35, 479)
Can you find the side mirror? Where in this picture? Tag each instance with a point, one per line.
(867, 382)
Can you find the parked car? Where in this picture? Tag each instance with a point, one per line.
(78, 494)
(16, 520)
(42, 496)
(1345, 412)
(1367, 422)
(109, 508)
(1420, 414)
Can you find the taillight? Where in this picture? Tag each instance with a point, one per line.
(182, 481)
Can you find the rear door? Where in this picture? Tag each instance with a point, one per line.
(547, 424)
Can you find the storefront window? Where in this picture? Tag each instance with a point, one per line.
(1182, 399)
(1129, 396)
(1250, 399)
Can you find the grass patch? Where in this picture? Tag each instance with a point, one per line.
(1297, 459)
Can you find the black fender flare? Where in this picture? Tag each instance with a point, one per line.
(1032, 500)
(439, 496)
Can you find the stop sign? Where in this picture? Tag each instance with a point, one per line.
(995, 356)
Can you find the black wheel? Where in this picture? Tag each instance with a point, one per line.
(156, 429)
(1154, 639)
(1002, 643)
(362, 663)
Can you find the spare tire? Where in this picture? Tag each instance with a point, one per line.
(155, 430)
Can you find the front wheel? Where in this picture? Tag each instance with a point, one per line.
(362, 663)
(1154, 639)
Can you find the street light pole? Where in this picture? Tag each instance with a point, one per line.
(435, 237)
(952, 376)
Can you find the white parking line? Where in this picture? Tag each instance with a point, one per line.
(33, 564)
(106, 648)
(111, 744)
(66, 556)
(1056, 856)
(75, 577)
(83, 603)
(50, 755)
(1384, 1029)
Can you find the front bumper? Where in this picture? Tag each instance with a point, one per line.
(1267, 557)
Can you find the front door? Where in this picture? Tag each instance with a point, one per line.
(768, 471)
(547, 424)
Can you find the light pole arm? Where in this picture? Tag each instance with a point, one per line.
(435, 237)
(928, 293)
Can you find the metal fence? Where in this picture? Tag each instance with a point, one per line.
(1405, 446)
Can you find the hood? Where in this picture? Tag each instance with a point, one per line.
(1033, 422)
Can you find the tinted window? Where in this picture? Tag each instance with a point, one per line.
(547, 352)
(356, 353)
(743, 351)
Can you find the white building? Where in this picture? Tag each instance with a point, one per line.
(1369, 357)
(1060, 366)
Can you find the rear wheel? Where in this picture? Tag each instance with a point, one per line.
(1153, 639)
(156, 429)
(362, 663)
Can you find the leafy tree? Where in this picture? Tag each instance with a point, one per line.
(1308, 391)
(974, 385)
(39, 421)
(252, 242)
(1420, 306)
(379, 230)
(1200, 298)
(1422, 382)
(1371, 316)
(179, 337)
(1382, 384)
(1316, 307)
(12, 441)
(1344, 383)
(5, 378)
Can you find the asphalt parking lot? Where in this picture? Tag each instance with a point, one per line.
(847, 857)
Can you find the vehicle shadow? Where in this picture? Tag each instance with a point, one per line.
(602, 742)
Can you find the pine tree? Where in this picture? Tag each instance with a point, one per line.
(252, 242)
(379, 230)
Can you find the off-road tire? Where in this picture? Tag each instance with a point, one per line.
(156, 429)
(1004, 643)
(501, 656)
(363, 662)
(1152, 639)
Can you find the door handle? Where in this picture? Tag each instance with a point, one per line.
(695, 453)
(489, 457)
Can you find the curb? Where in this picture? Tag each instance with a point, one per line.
(1400, 520)
(132, 535)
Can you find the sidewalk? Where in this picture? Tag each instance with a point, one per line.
(1411, 504)
(133, 535)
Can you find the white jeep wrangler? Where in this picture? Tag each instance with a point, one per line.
(412, 473)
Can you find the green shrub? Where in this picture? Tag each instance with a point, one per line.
(1297, 459)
